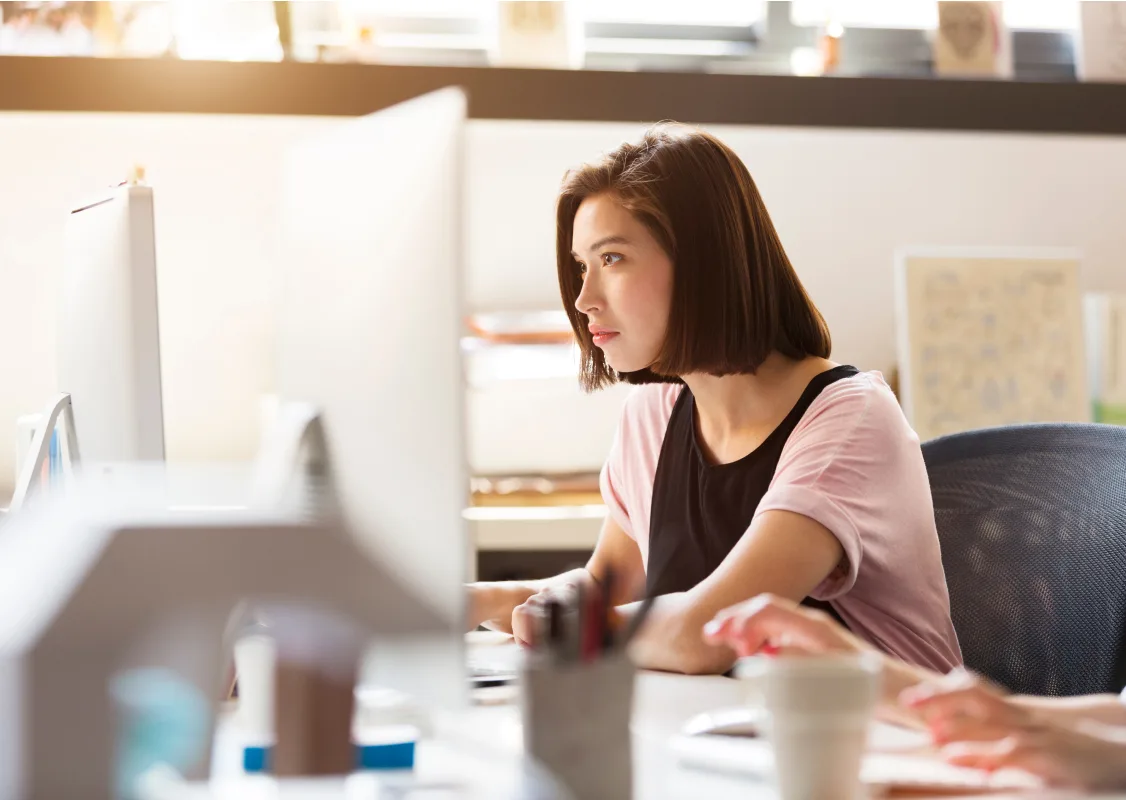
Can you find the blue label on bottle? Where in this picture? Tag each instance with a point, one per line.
(385, 756)
(256, 759)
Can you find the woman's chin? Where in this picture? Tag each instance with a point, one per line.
(624, 365)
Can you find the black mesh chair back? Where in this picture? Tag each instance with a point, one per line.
(1032, 522)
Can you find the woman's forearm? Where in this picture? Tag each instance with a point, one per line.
(670, 639)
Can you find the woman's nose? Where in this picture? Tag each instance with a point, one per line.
(588, 300)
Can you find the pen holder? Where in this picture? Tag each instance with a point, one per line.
(576, 723)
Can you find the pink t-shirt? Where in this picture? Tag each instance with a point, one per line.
(854, 465)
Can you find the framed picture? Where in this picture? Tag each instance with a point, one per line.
(990, 337)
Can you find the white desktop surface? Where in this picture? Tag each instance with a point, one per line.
(663, 703)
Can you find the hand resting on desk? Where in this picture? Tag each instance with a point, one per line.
(1071, 742)
(982, 727)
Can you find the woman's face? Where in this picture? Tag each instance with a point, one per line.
(627, 283)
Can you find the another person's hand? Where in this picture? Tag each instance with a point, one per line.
(1077, 758)
(962, 706)
(770, 624)
(773, 625)
(980, 727)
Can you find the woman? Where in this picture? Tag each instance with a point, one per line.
(745, 460)
(1075, 742)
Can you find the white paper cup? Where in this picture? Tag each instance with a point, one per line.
(818, 712)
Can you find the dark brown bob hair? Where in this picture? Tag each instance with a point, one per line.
(736, 297)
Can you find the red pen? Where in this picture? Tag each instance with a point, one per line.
(606, 611)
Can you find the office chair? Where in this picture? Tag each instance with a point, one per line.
(1032, 522)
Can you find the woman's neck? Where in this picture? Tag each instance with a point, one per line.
(735, 413)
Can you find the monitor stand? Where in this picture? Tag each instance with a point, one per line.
(30, 476)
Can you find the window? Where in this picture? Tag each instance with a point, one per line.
(1057, 15)
(712, 13)
(750, 36)
(617, 34)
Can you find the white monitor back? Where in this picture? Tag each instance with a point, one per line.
(109, 339)
(368, 330)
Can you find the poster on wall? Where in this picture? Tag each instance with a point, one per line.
(990, 337)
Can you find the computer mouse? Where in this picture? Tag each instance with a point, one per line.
(736, 721)
(750, 723)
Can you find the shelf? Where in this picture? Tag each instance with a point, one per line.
(533, 513)
(203, 87)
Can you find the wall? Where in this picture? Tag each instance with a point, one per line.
(842, 200)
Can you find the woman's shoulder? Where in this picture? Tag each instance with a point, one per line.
(862, 399)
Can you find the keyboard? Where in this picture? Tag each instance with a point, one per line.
(881, 772)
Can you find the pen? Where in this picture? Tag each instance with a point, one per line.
(594, 619)
(607, 611)
(638, 619)
(555, 633)
(575, 639)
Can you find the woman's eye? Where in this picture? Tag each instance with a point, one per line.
(610, 259)
(582, 268)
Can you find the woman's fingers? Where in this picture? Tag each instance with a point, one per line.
(529, 617)
(525, 618)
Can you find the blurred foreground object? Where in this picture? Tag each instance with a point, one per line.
(105, 580)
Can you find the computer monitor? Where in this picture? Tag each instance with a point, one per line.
(110, 406)
(108, 335)
(368, 328)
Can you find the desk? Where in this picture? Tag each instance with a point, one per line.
(663, 703)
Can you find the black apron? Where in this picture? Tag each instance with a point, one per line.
(701, 510)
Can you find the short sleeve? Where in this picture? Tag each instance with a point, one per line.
(610, 482)
(627, 476)
(848, 465)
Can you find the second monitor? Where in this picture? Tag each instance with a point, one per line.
(368, 326)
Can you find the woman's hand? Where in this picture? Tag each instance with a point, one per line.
(491, 604)
(528, 618)
(513, 606)
(981, 727)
